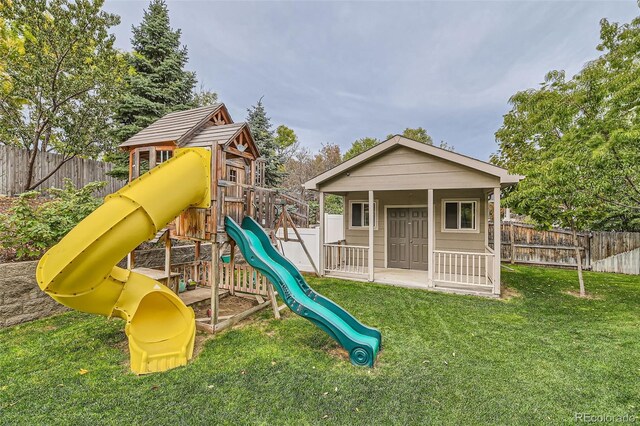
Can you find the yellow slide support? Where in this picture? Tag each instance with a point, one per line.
(80, 270)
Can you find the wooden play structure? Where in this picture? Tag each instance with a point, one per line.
(195, 182)
(237, 180)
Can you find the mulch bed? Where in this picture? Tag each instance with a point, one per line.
(229, 305)
(6, 202)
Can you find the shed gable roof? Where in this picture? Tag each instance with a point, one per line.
(176, 126)
(399, 141)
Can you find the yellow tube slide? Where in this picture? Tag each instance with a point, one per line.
(80, 270)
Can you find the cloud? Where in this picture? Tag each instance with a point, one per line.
(337, 71)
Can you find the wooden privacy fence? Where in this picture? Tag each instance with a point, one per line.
(601, 251)
(615, 252)
(81, 171)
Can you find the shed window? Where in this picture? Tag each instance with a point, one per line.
(460, 215)
(359, 214)
(233, 175)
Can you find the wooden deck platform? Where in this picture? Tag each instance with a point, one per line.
(190, 297)
(155, 274)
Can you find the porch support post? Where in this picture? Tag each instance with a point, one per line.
(371, 229)
(487, 198)
(496, 240)
(321, 233)
(430, 238)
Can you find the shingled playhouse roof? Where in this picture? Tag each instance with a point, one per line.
(174, 127)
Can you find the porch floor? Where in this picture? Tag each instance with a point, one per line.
(410, 278)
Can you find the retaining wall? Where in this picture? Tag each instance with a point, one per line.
(21, 299)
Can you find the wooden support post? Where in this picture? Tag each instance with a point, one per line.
(152, 157)
(131, 260)
(321, 232)
(214, 209)
(487, 198)
(304, 247)
(131, 162)
(196, 266)
(273, 239)
(136, 164)
(512, 240)
(232, 267)
(371, 230)
(252, 191)
(167, 262)
(215, 282)
(430, 238)
(279, 223)
(496, 240)
(272, 298)
(285, 217)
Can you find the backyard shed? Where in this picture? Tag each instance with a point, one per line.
(430, 218)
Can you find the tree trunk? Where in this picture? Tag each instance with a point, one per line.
(33, 155)
(55, 169)
(30, 166)
(576, 244)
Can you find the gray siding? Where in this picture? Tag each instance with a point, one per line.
(405, 168)
(463, 241)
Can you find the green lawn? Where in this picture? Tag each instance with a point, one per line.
(451, 359)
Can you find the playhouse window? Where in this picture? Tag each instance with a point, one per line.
(233, 175)
(460, 215)
(162, 156)
(360, 214)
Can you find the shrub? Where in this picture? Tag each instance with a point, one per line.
(30, 229)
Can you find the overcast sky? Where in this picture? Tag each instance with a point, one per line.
(338, 71)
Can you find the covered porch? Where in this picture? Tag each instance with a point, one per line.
(434, 258)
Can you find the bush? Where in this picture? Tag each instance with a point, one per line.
(332, 205)
(30, 229)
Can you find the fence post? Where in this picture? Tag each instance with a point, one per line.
(588, 248)
(513, 241)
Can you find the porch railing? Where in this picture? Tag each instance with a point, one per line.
(490, 270)
(346, 259)
(469, 268)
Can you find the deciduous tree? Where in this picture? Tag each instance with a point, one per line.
(287, 144)
(60, 75)
(359, 146)
(592, 121)
(419, 134)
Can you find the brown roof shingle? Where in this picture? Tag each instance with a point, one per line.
(172, 127)
(217, 134)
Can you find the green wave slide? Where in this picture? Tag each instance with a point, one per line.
(362, 342)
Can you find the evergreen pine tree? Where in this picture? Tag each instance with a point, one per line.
(263, 135)
(157, 82)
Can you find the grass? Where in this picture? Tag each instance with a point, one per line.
(540, 357)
